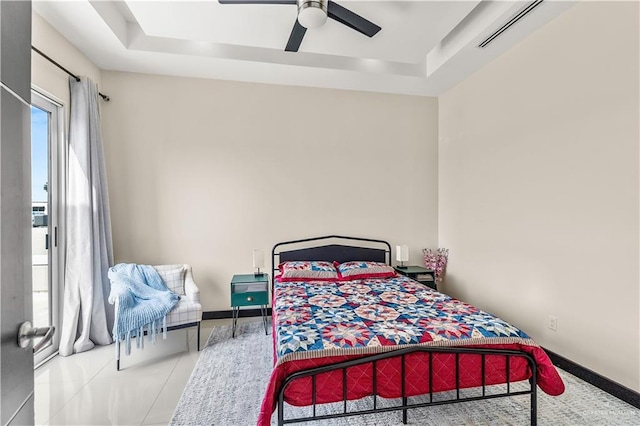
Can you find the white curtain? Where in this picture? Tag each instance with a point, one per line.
(87, 317)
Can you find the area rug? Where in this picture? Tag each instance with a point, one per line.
(231, 375)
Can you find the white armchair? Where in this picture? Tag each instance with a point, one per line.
(188, 311)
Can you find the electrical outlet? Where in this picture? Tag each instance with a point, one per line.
(553, 323)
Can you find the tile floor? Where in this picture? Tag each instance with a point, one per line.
(86, 389)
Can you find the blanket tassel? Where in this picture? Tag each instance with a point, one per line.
(164, 327)
(117, 340)
(153, 332)
(153, 329)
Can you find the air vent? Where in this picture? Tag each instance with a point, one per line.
(518, 16)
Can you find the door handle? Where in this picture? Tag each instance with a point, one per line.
(27, 333)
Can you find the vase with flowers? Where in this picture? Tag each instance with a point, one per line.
(436, 260)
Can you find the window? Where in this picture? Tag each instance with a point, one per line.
(47, 164)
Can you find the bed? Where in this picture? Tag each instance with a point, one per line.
(386, 340)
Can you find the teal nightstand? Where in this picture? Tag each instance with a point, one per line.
(249, 290)
(422, 275)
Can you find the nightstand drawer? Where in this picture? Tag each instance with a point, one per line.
(250, 298)
(249, 287)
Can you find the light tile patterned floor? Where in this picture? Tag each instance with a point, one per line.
(86, 389)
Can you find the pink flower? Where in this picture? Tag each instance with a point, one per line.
(436, 261)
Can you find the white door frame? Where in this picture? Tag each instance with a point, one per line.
(56, 196)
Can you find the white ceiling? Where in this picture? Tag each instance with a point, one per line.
(424, 47)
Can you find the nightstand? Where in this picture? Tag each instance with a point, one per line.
(249, 290)
(422, 275)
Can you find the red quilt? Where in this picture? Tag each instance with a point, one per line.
(320, 323)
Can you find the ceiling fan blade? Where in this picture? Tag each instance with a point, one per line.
(257, 1)
(352, 20)
(295, 39)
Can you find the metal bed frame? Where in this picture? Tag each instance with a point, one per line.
(343, 253)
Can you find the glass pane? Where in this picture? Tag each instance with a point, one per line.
(39, 212)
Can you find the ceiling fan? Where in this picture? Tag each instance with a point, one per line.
(313, 14)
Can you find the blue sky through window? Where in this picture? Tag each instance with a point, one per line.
(39, 153)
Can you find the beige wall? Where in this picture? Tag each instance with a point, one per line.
(204, 171)
(538, 185)
(46, 76)
(538, 190)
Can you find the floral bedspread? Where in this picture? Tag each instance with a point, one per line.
(315, 319)
(319, 323)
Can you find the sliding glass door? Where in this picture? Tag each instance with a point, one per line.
(46, 185)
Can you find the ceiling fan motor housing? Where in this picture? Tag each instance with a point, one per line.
(312, 13)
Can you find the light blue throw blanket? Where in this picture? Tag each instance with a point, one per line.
(143, 301)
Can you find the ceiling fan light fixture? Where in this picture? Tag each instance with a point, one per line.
(312, 13)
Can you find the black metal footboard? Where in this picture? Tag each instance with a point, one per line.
(401, 354)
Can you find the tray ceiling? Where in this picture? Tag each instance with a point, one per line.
(424, 47)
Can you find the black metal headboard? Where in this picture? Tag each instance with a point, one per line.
(374, 250)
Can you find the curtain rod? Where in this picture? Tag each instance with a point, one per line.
(38, 51)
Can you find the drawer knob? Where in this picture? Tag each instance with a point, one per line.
(249, 299)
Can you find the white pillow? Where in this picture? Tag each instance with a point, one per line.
(174, 279)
